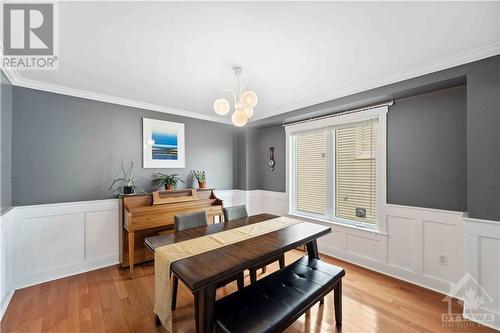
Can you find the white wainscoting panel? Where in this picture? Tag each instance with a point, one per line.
(57, 240)
(102, 234)
(362, 246)
(257, 201)
(399, 251)
(49, 245)
(482, 244)
(410, 248)
(232, 197)
(7, 259)
(274, 202)
(253, 202)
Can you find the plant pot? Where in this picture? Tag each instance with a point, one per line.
(202, 185)
(128, 190)
(169, 187)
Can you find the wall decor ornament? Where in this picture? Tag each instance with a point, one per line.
(163, 144)
(271, 162)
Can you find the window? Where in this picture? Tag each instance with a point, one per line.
(311, 173)
(335, 170)
(355, 172)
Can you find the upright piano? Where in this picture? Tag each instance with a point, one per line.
(146, 215)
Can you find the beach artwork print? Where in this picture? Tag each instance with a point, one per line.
(163, 144)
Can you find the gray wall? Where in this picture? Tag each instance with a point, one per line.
(69, 149)
(426, 150)
(483, 139)
(265, 138)
(246, 160)
(241, 159)
(253, 156)
(482, 79)
(6, 143)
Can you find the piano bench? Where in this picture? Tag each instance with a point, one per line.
(276, 301)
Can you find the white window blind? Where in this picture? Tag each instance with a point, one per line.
(311, 168)
(355, 173)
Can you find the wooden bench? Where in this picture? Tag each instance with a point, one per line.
(276, 301)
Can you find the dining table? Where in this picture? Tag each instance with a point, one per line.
(201, 273)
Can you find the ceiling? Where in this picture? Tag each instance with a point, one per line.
(177, 57)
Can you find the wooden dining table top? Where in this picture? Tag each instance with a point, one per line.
(208, 268)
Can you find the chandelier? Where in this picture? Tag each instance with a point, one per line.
(244, 102)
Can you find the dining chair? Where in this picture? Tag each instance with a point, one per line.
(235, 212)
(189, 221)
(240, 212)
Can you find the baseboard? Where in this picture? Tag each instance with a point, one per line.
(5, 302)
(69, 270)
(494, 325)
(430, 283)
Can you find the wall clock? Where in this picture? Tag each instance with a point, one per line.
(271, 162)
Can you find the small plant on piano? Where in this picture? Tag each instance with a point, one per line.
(169, 181)
(201, 178)
(126, 184)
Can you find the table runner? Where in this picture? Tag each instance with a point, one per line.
(165, 255)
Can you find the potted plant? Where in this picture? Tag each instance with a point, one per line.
(126, 184)
(201, 178)
(169, 181)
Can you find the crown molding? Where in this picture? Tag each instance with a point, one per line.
(435, 66)
(10, 74)
(457, 60)
(18, 81)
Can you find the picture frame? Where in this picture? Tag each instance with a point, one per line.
(163, 144)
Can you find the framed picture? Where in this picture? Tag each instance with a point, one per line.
(163, 142)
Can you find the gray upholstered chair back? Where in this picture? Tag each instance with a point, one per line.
(191, 220)
(236, 212)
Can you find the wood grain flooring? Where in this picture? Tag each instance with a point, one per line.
(106, 300)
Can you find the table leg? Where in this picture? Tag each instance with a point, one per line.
(131, 253)
(312, 249)
(282, 261)
(337, 300)
(175, 286)
(241, 281)
(204, 303)
(253, 275)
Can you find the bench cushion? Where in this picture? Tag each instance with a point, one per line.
(265, 305)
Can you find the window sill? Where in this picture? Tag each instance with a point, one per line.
(369, 229)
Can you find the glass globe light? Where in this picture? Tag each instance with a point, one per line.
(249, 112)
(249, 99)
(239, 118)
(221, 106)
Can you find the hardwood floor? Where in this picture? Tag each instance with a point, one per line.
(106, 300)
